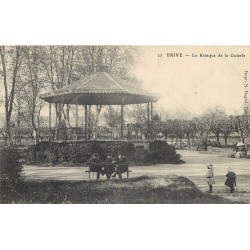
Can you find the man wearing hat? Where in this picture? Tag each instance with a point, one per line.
(109, 168)
(210, 177)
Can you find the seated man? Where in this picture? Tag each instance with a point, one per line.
(240, 151)
(119, 160)
(95, 159)
(108, 169)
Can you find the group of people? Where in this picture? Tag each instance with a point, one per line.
(110, 165)
(230, 178)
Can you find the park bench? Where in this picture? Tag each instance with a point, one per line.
(119, 168)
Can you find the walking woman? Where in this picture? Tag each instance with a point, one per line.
(210, 177)
(231, 179)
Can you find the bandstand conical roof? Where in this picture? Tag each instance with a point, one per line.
(100, 88)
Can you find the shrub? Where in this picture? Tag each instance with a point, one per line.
(202, 145)
(43, 152)
(95, 147)
(10, 170)
(10, 166)
(216, 144)
(120, 147)
(161, 152)
(79, 153)
(64, 153)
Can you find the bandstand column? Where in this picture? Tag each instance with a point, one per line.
(49, 121)
(89, 121)
(76, 121)
(151, 116)
(76, 115)
(148, 122)
(151, 111)
(59, 121)
(122, 120)
(67, 113)
(86, 121)
(56, 127)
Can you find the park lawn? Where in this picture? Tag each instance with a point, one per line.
(138, 190)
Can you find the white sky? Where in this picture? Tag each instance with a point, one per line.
(194, 84)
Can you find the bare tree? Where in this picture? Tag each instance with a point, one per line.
(189, 129)
(241, 126)
(227, 127)
(202, 128)
(61, 67)
(31, 82)
(216, 117)
(138, 113)
(10, 61)
(112, 118)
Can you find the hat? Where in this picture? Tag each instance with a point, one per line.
(209, 165)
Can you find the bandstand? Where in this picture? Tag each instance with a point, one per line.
(100, 88)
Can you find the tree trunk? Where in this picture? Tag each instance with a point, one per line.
(217, 137)
(225, 140)
(188, 137)
(19, 140)
(204, 141)
(34, 132)
(8, 130)
(67, 115)
(242, 136)
(166, 138)
(98, 111)
(192, 140)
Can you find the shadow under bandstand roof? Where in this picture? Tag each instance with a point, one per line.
(100, 89)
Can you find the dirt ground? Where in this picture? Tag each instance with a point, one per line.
(194, 168)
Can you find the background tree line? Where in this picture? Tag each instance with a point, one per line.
(213, 122)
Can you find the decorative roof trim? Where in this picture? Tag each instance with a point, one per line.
(104, 93)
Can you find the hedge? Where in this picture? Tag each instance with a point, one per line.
(80, 152)
(53, 152)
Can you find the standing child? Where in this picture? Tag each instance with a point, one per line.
(231, 179)
(210, 177)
